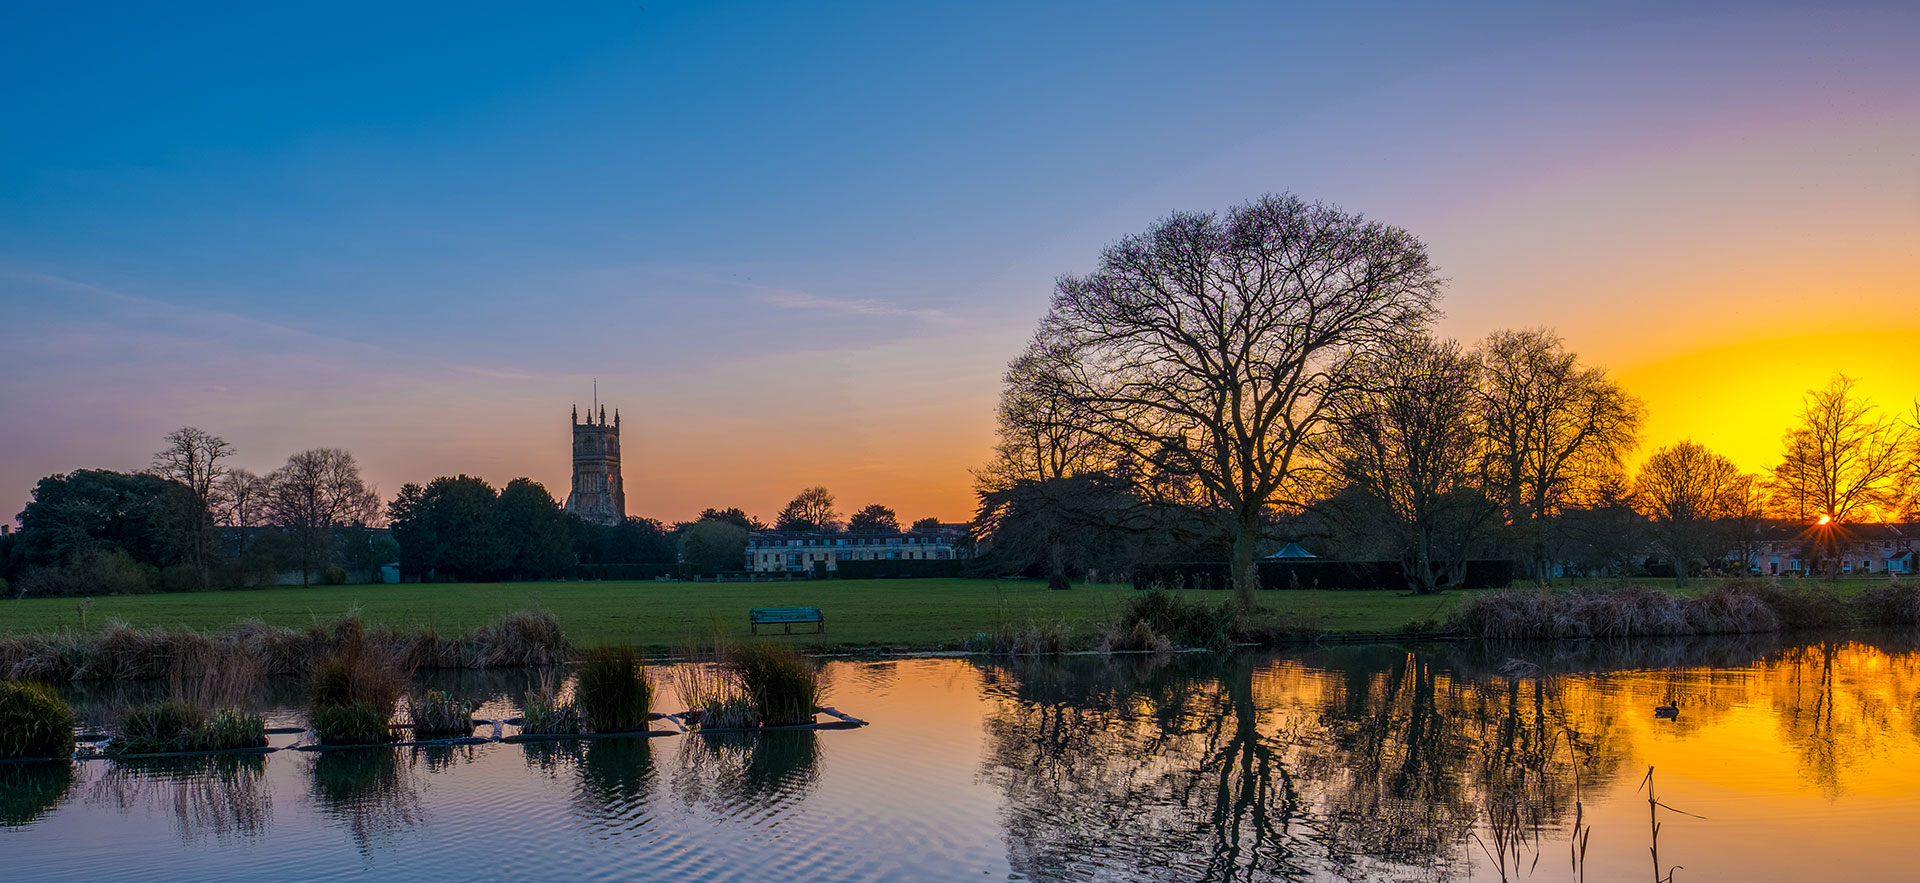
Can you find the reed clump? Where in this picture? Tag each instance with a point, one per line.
(124, 652)
(1894, 604)
(355, 690)
(714, 698)
(439, 714)
(34, 721)
(1182, 622)
(612, 691)
(1139, 639)
(544, 713)
(783, 686)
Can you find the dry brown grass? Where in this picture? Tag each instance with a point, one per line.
(123, 652)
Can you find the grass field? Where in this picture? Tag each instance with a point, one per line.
(919, 614)
(913, 613)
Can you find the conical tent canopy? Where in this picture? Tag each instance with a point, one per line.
(1293, 550)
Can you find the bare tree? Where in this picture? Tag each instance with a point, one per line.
(193, 457)
(1210, 347)
(245, 495)
(1842, 465)
(1745, 518)
(317, 491)
(1042, 436)
(1556, 430)
(1687, 490)
(811, 509)
(1410, 441)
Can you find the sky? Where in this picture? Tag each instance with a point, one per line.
(797, 244)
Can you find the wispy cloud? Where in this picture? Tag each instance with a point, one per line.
(844, 306)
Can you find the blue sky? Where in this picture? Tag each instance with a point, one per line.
(798, 243)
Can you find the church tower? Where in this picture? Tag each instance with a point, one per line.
(598, 495)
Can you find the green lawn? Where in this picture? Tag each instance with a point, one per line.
(913, 613)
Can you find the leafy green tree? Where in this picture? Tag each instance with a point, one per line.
(874, 519)
(637, 541)
(450, 527)
(99, 510)
(714, 547)
(533, 530)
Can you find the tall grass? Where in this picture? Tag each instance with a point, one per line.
(1158, 615)
(123, 652)
(34, 721)
(612, 690)
(783, 686)
(714, 698)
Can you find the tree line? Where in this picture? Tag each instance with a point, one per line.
(1227, 379)
(193, 520)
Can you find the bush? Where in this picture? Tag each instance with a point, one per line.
(440, 714)
(529, 637)
(782, 685)
(356, 723)
(612, 690)
(1630, 611)
(95, 572)
(173, 725)
(34, 721)
(543, 714)
(1889, 605)
(334, 575)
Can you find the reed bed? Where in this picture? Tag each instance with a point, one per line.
(124, 652)
(783, 686)
(1737, 607)
(176, 725)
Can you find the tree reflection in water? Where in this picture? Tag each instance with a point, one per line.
(372, 790)
(1204, 768)
(759, 773)
(615, 775)
(220, 796)
(1385, 763)
(30, 791)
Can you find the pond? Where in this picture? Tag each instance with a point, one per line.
(1787, 760)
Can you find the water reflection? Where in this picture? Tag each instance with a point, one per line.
(760, 774)
(29, 791)
(217, 796)
(372, 792)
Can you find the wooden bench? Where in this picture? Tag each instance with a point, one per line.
(785, 616)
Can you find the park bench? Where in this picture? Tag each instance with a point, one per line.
(785, 616)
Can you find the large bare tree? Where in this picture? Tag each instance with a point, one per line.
(195, 458)
(1042, 435)
(1409, 441)
(1689, 493)
(811, 509)
(1556, 431)
(317, 491)
(1210, 347)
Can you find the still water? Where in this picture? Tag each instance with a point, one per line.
(1788, 760)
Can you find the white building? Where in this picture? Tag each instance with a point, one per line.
(775, 551)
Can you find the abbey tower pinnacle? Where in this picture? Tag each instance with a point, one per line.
(598, 494)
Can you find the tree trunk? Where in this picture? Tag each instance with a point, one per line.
(1246, 574)
(1679, 572)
